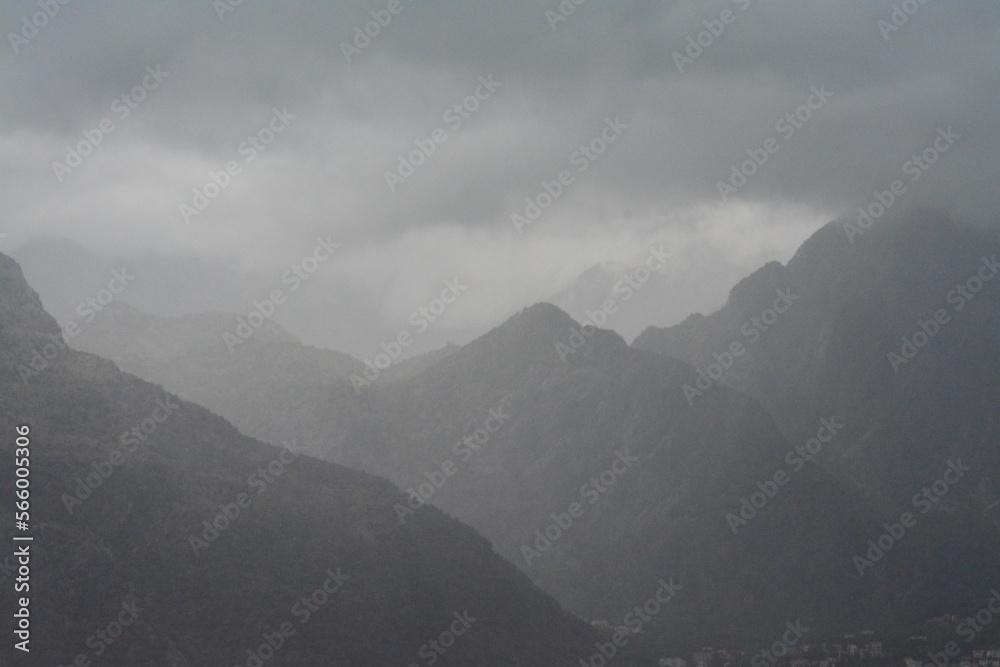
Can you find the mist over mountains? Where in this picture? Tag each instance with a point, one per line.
(217, 545)
(411, 333)
(600, 468)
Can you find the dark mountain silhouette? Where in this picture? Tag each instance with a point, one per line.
(569, 421)
(579, 399)
(127, 481)
(897, 333)
(840, 350)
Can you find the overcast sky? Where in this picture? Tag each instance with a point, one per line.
(675, 115)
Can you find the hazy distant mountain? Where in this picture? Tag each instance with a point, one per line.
(577, 403)
(171, 284)
(206, 359)
(568, 430)
(125, 481)
(269, 384)
(668, 294)
(568, 423)
(323, 310)
(647, 292)
(407, 368)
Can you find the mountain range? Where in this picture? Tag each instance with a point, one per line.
(764, 458)
(164, 536)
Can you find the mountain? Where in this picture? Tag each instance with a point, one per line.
(225, 364)
(204, 359)
(650, 292)
(895, 331)
(760, 519)
(208, 547)
(607, 428)
(173, 284)
(663, 292)
(326, 310)
(557, 425)
(406, 368)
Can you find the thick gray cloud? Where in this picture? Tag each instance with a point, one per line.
(324, 173)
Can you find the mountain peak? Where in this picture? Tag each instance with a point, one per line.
(917, 233)
(545, 324)
(542, 314)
